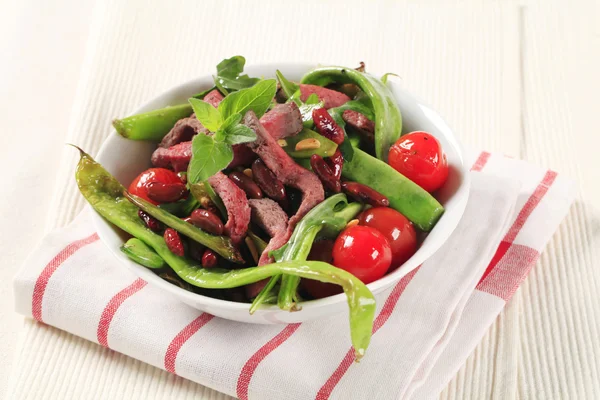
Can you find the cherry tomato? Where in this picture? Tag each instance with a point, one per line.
(321, 251)
(161, 175)
(397, 229)
(363, 251)
(419, 157)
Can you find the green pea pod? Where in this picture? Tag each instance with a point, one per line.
(404, 195)
(388, 120)
(328, 219)
(326, 149)
(142, 254)
(181, 208)
(152, 125)
(220, 244)
(203, 189)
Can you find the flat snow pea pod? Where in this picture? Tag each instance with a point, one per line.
(220, 244)
(152, 125)
(360, 299)
(404, 195)
(388, 120)
(326, 148)
(328, 219)
(142, 254)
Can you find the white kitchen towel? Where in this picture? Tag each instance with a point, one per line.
(425, 327)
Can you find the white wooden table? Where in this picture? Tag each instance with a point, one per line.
(518, 77)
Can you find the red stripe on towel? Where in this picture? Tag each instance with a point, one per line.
(113, 305)
(42, 281)
(512, 262)
(182, 337)
(481, 161)
(249, 368)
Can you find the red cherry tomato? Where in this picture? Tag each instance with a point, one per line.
(419, 157)
(363, 251)
(161, 175)
(321, 251)
(397, 229)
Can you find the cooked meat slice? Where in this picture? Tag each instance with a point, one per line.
(214, 97)
(360, 122)
(183, 131)
(236, 203)
(282, 121)
(176, 157)
(267, 214)
(330, 97)
(287, 171)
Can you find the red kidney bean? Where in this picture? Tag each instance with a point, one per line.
(246, 183)
(152, 223)
(365, 194)
(336, 163)
(165, 192)
(325, 173)
(326, 126)
(174, 242)
(207, 221)
(209, 259)
(196, 250)
(267, 181)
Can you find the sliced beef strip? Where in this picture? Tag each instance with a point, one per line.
(236, 203)
(360, 122)
(178, 157)
(330, 98)
(183, 131)
(282, 121)
(267, 214)
(186, 128)
(214, 97)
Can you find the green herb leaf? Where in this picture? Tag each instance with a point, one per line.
(207, 114)
(306, 110)
(203, 93)
(221, 134)
(239, 134)
(229, 74)
(256, 98)
(208, 158)
(289, 88)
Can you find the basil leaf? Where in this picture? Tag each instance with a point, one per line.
(207, 114)
(239, 134)
(232, 120)
(289, 88)
(219, 86)
(229, 75)
(256, 98)
(208, 158)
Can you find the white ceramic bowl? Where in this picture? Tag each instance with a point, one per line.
(125, 159)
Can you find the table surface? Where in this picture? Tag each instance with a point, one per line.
(517, 77)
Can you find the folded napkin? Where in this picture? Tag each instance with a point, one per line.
(425, 327)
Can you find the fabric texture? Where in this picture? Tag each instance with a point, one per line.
(426, 325)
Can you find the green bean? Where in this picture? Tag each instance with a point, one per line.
(142, 254)
(220, 244)
(152, 125)
(404, 195)
(326, 219)
(388, 120)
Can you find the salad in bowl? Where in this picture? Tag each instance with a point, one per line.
(278, 193)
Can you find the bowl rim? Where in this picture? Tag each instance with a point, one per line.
(380, 284)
